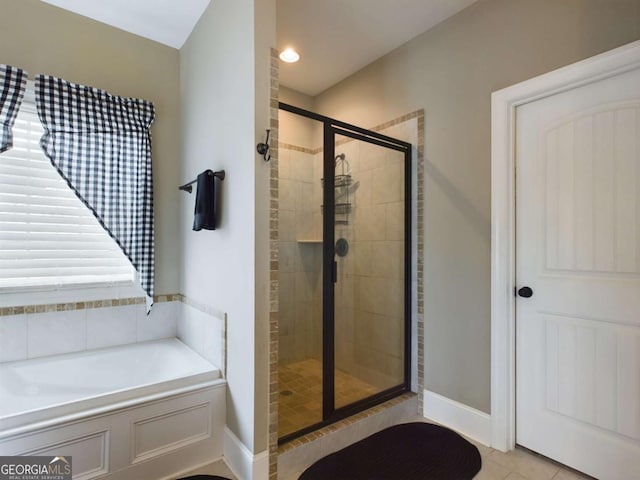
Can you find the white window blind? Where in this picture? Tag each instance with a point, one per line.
(48, 237)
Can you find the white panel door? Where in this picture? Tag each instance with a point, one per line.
(578, 249)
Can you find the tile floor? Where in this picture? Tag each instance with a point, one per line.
(301, 394)
(520, 464)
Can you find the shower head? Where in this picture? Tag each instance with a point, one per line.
(339, 157)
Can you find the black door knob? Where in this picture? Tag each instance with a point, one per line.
(525, 292)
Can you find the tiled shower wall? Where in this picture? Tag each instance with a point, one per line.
(300, 257)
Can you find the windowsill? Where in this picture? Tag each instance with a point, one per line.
(39, 295)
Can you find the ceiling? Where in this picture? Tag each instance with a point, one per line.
(335, 38)
(166, 21)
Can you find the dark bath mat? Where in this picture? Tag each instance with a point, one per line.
(411, 451)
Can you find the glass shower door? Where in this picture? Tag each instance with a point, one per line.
(344, 270)
(370, 255)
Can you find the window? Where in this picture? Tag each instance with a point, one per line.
(48, 238)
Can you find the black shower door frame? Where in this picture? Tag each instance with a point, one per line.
(331, 128)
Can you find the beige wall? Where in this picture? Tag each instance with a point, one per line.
(293, 97)
(295, 129)
(44, 39)
(451, 71)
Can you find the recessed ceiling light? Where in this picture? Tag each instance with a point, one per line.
(289, 55)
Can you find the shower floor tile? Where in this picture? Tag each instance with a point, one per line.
(300, 400)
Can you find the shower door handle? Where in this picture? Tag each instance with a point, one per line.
(334, 272)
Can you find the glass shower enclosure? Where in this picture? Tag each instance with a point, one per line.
(345, 259)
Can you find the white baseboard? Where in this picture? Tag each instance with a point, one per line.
(457, 416)
(244, 464)
(261, 466)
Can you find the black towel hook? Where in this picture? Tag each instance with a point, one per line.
(263, 148)
(188, 188)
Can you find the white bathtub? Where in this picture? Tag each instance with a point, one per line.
(155, 397)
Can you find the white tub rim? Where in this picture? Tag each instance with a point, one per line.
(76, 410)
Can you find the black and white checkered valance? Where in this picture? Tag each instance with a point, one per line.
(101, 144)
(13, 82)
